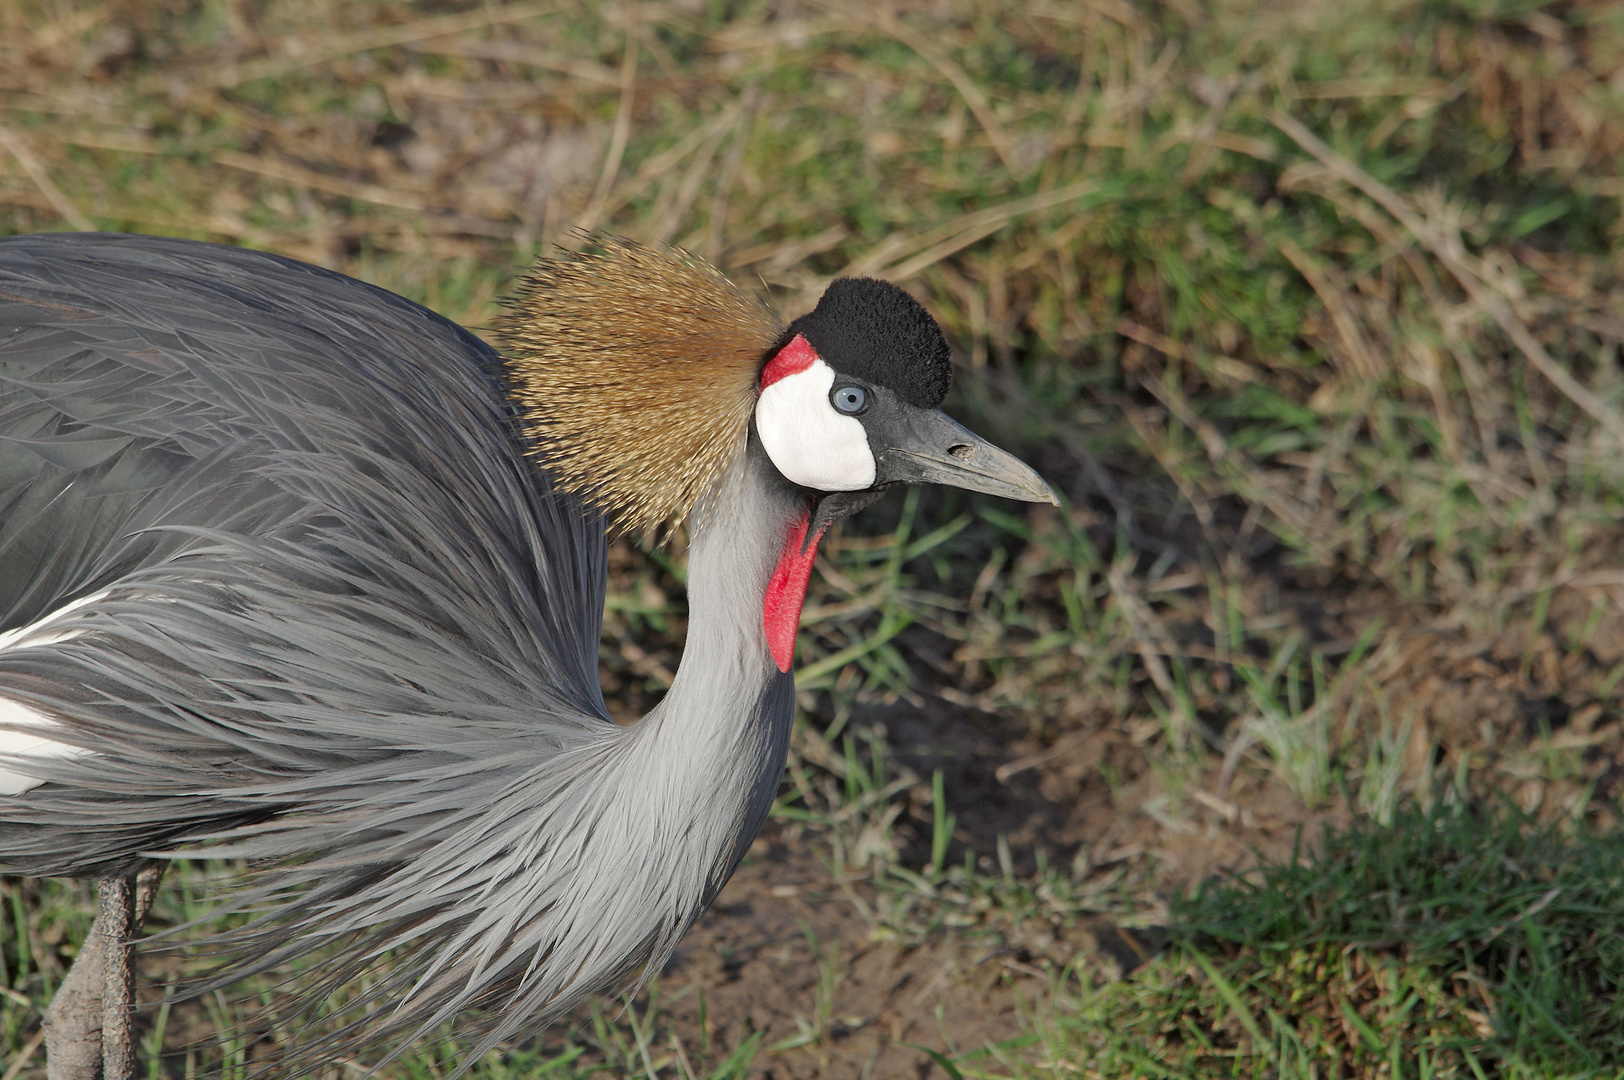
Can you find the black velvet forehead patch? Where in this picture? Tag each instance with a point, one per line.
(872, 330)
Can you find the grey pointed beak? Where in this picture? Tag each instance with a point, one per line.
(926, 446)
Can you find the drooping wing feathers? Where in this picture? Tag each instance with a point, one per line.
(380, 709)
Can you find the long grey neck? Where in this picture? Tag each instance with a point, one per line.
(737, 537)
(717, 741)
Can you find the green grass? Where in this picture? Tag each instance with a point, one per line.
(1448, 943)
(1264, 290)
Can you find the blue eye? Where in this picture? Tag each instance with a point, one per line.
(849, 399)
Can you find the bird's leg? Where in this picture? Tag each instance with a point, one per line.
(79, 1023)
(73, 1021)
(117, 922)
(124, 902)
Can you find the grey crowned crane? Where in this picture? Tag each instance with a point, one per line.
(296, 571)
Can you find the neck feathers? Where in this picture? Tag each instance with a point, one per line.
(636, 371)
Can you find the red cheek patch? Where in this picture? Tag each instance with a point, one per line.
(792, 359)
(786, 591)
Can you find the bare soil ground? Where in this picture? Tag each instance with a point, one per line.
(785, 951)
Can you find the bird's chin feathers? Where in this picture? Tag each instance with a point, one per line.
(635, 370)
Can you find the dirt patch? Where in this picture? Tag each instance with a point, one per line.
(1086, 797)
(786, 953)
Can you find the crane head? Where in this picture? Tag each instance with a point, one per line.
(849, 404)
(639, 369)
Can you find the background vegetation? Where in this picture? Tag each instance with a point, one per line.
(1311, 312)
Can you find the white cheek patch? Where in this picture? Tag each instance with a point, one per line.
(808, 439)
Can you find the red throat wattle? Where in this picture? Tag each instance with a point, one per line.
(786, 591)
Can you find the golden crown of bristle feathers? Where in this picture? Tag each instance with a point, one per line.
(636, 369)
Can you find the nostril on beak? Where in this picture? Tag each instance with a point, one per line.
(962, 450)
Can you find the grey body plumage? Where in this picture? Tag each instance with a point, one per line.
(335, 620)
